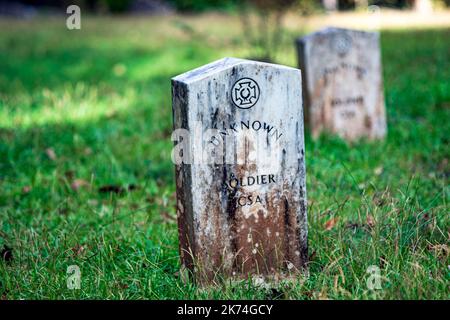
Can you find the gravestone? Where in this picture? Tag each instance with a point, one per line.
(240, 171)
(342, 83)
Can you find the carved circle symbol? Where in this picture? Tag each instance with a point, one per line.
(342, 43)
(245, 93)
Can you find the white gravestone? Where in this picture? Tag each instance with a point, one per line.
(342, 83)
(240, 170)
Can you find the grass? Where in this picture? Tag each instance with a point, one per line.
(87, 112)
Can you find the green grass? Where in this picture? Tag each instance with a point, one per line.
(100, 99)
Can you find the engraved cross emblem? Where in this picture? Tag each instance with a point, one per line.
(245, 93)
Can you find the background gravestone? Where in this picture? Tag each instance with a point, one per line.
(342, 83)
(246, 212)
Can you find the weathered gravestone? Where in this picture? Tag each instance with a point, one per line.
(342, 83)
(240, 172)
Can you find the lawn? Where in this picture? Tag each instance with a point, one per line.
(86, 177)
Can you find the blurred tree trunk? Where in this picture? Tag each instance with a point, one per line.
(268, 32)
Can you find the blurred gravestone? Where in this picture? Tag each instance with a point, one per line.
(342, 83)
(240, 172)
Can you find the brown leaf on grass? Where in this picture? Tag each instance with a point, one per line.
(78, 250)
(370, 221)
(330, 224)
(6, 254)
(51, 154)
(26, 189)
(78, 183)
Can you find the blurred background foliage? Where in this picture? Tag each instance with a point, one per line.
(304, 6)
(261, 20)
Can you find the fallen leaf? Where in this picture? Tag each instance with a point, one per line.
(51, 153)
(330, 224)
(78, 250)
(370, 221)
(79, 183)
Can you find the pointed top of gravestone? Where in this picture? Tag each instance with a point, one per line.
(218, 66)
